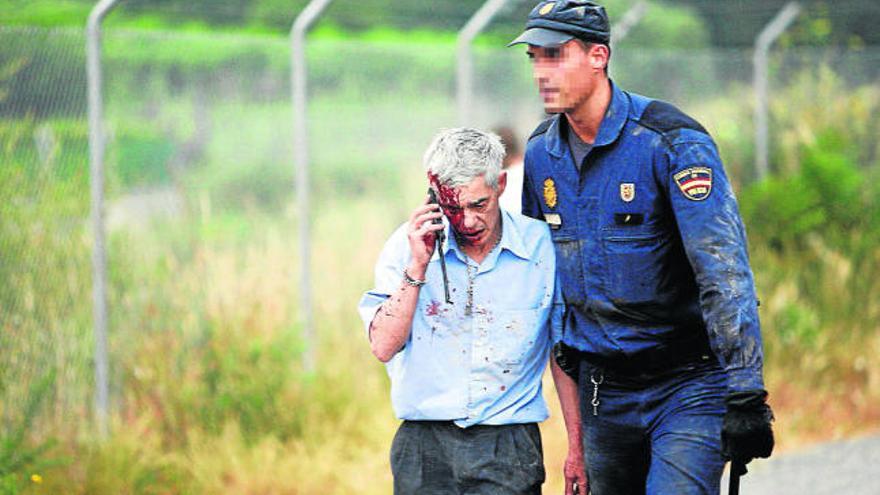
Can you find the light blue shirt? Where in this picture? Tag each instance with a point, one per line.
(486, 367)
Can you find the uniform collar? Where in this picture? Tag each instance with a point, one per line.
(612, 123)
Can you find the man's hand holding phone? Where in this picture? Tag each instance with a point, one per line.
(424, 223)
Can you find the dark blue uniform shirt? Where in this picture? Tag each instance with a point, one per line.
(650, 247)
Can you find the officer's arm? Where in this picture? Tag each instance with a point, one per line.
(566, 389)
(715, 242)
(564, 380)
(574, 471)
(712, 232)
(531, 207)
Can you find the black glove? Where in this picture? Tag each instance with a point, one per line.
(568, 358)
(746, 432)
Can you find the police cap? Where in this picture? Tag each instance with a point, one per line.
(552, 23)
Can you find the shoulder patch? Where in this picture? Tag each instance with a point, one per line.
(666, 117)
(542, 127)
(695, 182)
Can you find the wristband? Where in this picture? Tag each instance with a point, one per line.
(411, 281)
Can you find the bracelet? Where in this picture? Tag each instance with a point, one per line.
(411, 281)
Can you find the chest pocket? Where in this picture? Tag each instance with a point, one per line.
(513, 334)
(569, 265)
(633, 256)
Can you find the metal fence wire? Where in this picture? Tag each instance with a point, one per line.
(199, 143)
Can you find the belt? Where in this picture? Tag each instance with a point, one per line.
(654, 360)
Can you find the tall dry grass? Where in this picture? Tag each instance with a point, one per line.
(209, 392)
(214, 399)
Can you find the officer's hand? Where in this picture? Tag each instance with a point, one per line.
(421, 234)
(575, 474)
(746, 432)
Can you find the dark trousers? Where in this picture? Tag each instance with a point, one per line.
(438, 457)
(654, 434)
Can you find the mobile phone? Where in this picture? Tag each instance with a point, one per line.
(432, 198)
(440, 237)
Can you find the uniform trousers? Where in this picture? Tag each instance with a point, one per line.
(655, 433)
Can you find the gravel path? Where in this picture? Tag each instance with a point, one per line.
(850, 467)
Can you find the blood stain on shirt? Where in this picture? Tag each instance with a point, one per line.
(433, 309)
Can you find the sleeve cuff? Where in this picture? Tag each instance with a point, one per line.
(744, 379)
(556, 323)
(369, 306)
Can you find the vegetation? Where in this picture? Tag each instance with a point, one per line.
(276, 16)
(848, 23)
(208, 390)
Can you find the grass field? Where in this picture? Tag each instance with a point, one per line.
(208, 391)
(211, 397)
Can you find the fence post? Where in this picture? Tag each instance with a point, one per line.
(768, 35)
(464, 58)
(629, 20)
(96, 183)
(301, 162)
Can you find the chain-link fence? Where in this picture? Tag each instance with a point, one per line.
(200, 195)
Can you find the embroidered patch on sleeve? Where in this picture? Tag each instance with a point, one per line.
(695, 182)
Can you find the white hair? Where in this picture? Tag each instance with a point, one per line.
(458, 156)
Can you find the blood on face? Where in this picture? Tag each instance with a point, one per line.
(449, 197)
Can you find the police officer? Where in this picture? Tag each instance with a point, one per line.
(661, 330)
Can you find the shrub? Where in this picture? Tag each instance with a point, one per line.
(21, 456)
(825, 196)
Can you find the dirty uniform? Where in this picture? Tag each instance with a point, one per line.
(660, 301)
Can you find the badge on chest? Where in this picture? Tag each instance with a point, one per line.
(627, 192)
(554, 220)
(551, 199)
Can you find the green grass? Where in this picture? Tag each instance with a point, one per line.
(209, 394)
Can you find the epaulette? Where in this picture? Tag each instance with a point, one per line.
(542, 128)
(664, 118)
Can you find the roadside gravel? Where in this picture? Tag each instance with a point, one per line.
(850, 467)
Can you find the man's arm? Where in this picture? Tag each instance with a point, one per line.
(567, 390)
(715, 242)
(392, 324)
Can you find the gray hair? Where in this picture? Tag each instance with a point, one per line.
(458, 156)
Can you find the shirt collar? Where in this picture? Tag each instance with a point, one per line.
(612, 123)
(511, 239)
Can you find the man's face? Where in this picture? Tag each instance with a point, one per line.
(472, 210)
(565, 74)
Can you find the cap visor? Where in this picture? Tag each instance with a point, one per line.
(541, 37)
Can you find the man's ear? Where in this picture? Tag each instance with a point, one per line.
(502, 182)
(599, 55)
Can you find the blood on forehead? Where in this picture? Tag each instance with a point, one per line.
(448, 196)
